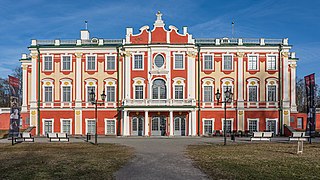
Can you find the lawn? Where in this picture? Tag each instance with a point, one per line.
(257, 160)
(62, 160)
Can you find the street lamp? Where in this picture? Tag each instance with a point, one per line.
(92, 97)
(227, 99)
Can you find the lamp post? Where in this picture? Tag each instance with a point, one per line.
(227, 99)
(92, 97)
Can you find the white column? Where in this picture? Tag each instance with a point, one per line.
(191, 77)
(171, 123)
(240, 76)
(293, 88)
(127, 76)
(33, 102)
(78, 79)
(24, 88)
(194, 123)
(125, 126)
(146, 123)
(190, 125)
(285, 80)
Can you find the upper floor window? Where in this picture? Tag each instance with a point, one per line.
(89, 89)
(178, 92)
(227, 62)
(48, 63)
(159, 89)
(271, 63)
(91, 63)
(159, 61)
(207, 91)
(48, 94)
(253, 93)
(271, 92)
(66, 63)
(110, 94)
(178, 61)
(66, 93)
(138, 62)
(252, 63)
(111, 61)
(208, 62)
(138, 92)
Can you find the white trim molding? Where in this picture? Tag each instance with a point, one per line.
(208, 119)
(61, 125)
(105, 126)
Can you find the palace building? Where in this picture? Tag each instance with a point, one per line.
(159, 82)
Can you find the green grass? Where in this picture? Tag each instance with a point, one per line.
(257, 161)
(62, 160)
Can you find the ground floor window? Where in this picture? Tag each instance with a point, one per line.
(66, 126)
(271, 126)
(110, 127)
(253, 125)
(228, 125)
(91, 126)
(47, 126)
(207, 126)
(300, 122)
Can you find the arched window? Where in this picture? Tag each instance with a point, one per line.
(159, 61)
(159, 89)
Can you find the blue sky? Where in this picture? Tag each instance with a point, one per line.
(23, 20)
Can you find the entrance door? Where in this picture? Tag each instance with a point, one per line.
(158, 126)
(272, 126)
(179, 126)
(137, 126)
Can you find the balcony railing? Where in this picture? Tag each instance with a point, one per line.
(159, 102)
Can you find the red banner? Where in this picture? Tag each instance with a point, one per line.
(14, 82)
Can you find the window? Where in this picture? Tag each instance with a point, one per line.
(207, 91)
(224, 90)
(253, 125)
(110, 93)
(48, 63)
(66, 124)
(48, 94)
(155, 124)
(91, 63)
(271, 126)
(91, 126)
(89, 89)
(271, 93)
(252, 63)
(271, 63)
(66, 63)
(299, 122)
(111, 127)
(66, 94)
(253, 93)
(139, 92)
(178, 61)
(227, 62)
(111, 60)
(207, 127)
(228, 125)
(178, 92)
(159, 61)
(138, 62)
(208, 64)
(159, 90)
(47, 126)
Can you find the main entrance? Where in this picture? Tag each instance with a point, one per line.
(179, 126)
(137, 126)
(158, 126)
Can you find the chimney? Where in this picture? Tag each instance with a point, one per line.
(85, 34)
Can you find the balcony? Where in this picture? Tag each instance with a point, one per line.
(159, 102)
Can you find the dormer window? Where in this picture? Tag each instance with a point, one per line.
(159, 61)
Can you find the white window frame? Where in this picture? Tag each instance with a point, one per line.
(106, 91)
(154, 61)
(256, 83)
(222, 120)
(232, 61)
(61, 125)
(211, 83)
(257, 63)
(135, 83)
(256, 91)
(174, 61)
(43, 63)
(96, 62)
(212, 61)
(134, 90)
(206, 119)
(276, 119)
(106, 62)
(52, 125)
(276, 63)
(61, 62)
(115, 126)
(133, 59)
(86, 120)
(301, 122)
(44, 93)
(266, 88)
(175, 83)
(253, 119)
(174, 91)
(87, 81)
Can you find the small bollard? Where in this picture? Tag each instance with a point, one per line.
(88, 137)
(233, 137)
(300, 147)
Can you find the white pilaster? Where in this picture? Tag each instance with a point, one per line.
(190, 125)
(293, 87)
(78, 79)
(240, 76)
(171, 123)
(194, 123)
(191, 77)
(127, 76)
(146, 123)
(33, 102)
(125, 123)
(24, 88)
(285, 79)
